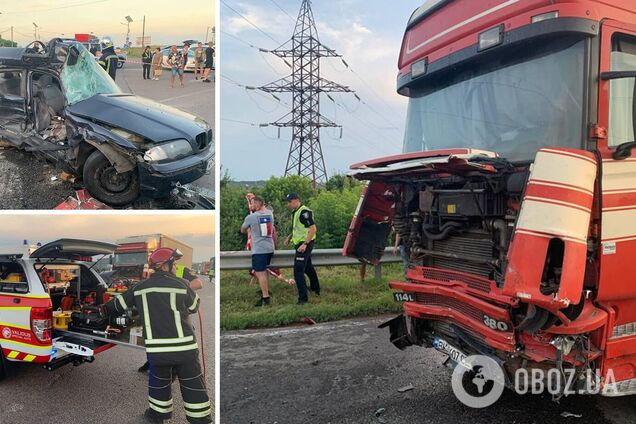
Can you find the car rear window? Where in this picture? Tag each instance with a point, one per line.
(13, 278)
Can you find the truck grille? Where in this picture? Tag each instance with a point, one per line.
(447, 302)
(446, 276)
(474, 245)
(204, 139)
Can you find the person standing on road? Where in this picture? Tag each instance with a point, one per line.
(109, 59)
(175, 60)
(260, 226)
(194, 282)
(303, 237)
(146, 60)
(157, 64)
(164, 302)
(209, 61)
(199, 61)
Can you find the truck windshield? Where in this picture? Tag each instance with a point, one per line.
(512, 105)
(136, 258)
(85, 78)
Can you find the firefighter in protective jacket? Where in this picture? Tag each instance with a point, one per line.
(164, 302)
(109, 59)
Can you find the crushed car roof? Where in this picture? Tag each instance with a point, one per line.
(11, 55)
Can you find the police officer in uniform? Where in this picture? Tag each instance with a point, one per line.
(109, 59)
(302, 238)
(164, 302)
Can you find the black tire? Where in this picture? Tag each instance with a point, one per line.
(107, 185)
(3, 366)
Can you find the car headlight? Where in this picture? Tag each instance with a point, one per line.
(172, 150)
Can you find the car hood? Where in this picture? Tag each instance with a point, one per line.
(144, 117)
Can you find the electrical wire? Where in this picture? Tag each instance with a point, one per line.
(283, 10)
(56, 8)
(250, 22)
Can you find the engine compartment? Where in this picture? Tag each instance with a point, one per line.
(462, 222)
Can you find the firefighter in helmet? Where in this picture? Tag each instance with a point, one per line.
(109, 59)
(164, 302)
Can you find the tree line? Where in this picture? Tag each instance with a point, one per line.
(333, 204)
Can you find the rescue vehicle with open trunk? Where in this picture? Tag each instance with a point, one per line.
(49, 307)
(516, 192)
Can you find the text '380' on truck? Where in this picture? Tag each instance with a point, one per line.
(516, 192)
(56, 101)
(50, 307)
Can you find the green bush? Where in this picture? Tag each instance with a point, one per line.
(333, 206)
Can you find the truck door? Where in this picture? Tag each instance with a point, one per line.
(617, 110)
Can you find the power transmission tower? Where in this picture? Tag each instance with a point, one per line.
(305, 51)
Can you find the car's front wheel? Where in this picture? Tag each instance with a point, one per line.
(106, 184)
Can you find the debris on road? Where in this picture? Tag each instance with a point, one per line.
(82, 201)
(566, 414)
(406, 388)
(380, 411)
(308, 321)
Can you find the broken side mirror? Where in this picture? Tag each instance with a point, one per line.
(73, 56)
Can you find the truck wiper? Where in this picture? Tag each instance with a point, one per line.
(624, 150)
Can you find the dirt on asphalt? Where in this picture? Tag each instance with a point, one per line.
(28, 182)
(346, 372)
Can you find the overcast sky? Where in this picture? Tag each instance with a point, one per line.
(367, 33)
(167, 21)
(196, 230)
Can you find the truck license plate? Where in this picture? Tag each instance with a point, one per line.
(404, 297)
(453, 353)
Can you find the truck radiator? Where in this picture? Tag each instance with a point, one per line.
(475, 245)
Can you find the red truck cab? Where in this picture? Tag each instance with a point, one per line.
(516, 192)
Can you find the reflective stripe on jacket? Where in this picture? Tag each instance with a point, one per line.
(164, 302)
(299, 231)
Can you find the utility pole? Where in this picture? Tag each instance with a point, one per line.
(35, 31)
(128, 21)
(11, 35)
(305, 51)
(143, 33)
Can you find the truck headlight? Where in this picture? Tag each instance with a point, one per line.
(172, 150)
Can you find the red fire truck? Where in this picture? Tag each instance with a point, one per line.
(516, 192)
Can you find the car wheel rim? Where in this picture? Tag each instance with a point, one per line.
(113, 181)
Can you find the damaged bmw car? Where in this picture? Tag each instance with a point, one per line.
(56, 101)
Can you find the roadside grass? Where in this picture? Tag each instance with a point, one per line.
(343, 295)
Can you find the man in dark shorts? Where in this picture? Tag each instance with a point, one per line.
(260, 225)
(209, 61)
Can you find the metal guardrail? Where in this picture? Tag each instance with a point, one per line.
(242, 260)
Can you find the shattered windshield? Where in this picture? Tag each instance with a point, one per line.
(86, 78)
(511, 105)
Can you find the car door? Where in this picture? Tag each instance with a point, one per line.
(12, 97)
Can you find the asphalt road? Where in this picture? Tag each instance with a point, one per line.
(344, 372)
(32, 183)
(108, 390)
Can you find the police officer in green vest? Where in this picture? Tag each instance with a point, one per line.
(302, 238)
